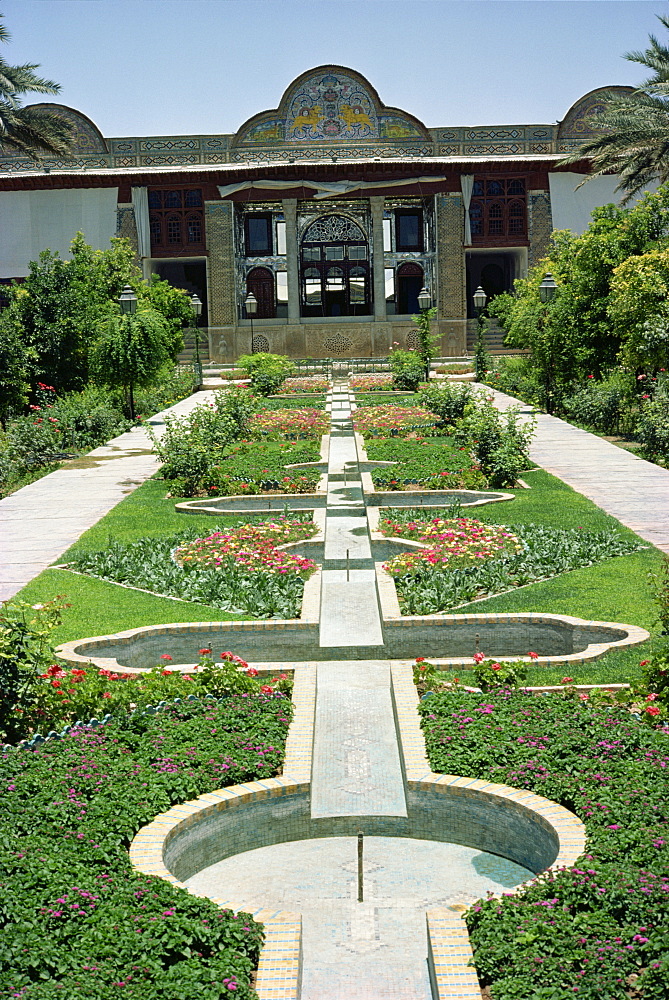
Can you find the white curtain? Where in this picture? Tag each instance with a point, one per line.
(571, 208)
(32, 221)
(323, 189)
(467, 186)
(140, 207)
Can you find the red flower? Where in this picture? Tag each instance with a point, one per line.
(496, 666)
(534, 656)
(106, 694)
(166, 656)
(479, 657)
(268, 689)
(567, 680)
(166, 673)
(203, 652)
(644, 663)
(252, 672)
(653, 710)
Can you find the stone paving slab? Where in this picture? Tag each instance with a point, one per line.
(632, 490)
(57, 509)
(356, 762)
(349, 610)
(347, 534)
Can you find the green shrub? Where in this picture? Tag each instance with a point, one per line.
(26, 652)
(499, 441)
(266, 371)
(602, 405)
(491, 674)
(652, 429)
(516, 376)
(408, 370)
(448, 400)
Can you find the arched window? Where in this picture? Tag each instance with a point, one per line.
(498, 210)
(334, 266)
(410, 278)
(176, 219)
(260, 281)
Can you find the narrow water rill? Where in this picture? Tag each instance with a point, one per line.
(358, 859)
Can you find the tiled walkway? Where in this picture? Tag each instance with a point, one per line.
(632, 490)
(39, 522)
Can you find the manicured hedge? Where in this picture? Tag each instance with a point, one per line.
(77, 922)
(601, 928)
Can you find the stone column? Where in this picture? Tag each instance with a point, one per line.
(379, 283)
(292, 259)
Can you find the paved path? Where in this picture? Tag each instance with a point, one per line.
(40, 521)
(356, 767)
(632, 490)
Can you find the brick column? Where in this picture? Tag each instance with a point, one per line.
(220, 244)
(379, 283)
(539, 225)
(292, 259)
(452, 312)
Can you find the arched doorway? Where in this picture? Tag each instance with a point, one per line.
(260, 281)
(334, 268)
(410, 279)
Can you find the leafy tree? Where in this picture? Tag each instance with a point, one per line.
(426, 339)
(639, 309)
(575, 333)
(634, 128)
(61, 303)
(15, 367)
(31, 130)
(172, 303)
(130, 351)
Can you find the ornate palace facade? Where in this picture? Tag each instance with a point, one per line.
(333, 209)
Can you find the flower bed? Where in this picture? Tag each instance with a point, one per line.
(293, 423)
(598, 929)
(434, 463)
(254, 467)
(304, 384)
(515, 555)
(251, 577)
(386, 420)
(370, 383)
(78, 922)
(253, 546)
(451, 543)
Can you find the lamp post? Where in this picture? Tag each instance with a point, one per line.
(547, 290)
(127, 300)
(424, 304)
(196, 306)
(251, 304)
(481, 355)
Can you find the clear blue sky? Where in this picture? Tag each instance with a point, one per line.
(156, 67)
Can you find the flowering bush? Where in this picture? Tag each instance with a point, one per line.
(598, 929)
(491, 674)
(370, 383)
(253, 467)
(389, 419)
(451, 542)
(304, 384)
(291, 423)
(78, 921)
(253, 546)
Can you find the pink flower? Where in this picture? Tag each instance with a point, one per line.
(479, 657)
(567, 680)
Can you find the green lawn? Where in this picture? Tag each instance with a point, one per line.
(98, 607)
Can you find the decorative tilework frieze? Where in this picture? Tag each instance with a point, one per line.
(153, 161)
(496, 149)
(220, 242)
(149, 144)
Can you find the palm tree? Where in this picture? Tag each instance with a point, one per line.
(634, 128)
(31, 130)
